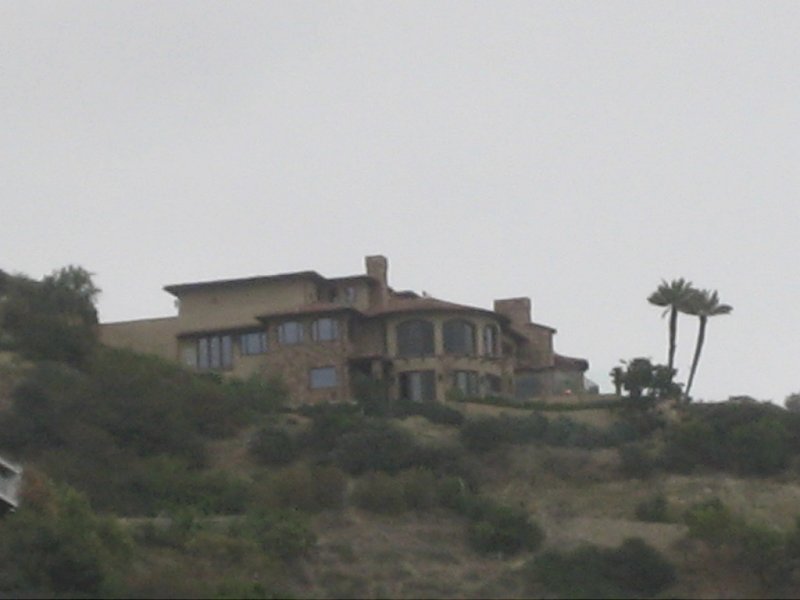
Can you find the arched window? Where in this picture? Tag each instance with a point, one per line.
(459, 337)
(490, 341)
(415, 338)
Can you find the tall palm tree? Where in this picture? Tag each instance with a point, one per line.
(673, 296)
(703, 304)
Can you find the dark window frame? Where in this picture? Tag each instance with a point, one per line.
(215, 352)
(458, 337)
(330, 335)
(325, 385)
(284, 339)
(415, 338)
(253, 343)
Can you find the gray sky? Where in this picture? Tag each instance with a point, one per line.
(575, 152)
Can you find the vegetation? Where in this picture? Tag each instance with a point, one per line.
(633, 570)
(212, 487)
(674, 297)
(703, 304)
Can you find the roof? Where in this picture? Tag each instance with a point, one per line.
(402, 303)
(314, 308)
(180, 288)
(570, 363)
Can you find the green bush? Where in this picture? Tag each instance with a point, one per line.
(56, 544)
(285, 534)
(375, 446)
(380, 493)
(635, 462)
(302, 487)
(330, 422)
(711, 521)
(435, 412)
(272, 445)
(631, 571)
(501, 529)
(746, 438)
(419, 489)
(654, 509)
(482, 435)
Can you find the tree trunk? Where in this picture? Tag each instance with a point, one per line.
(701, 336)
(673, 334)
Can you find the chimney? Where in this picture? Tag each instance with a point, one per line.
(378, 268)
(518, 310)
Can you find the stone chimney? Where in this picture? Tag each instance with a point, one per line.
(518, 310)
(378, 269)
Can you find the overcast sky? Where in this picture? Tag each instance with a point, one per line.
(574, 152)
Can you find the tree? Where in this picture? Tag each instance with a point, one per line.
(641, 378)
(674, 297)
(792, 402)
(702, 304)
(51, 319)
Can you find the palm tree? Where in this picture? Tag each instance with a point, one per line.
(673, 296)
(703, 304)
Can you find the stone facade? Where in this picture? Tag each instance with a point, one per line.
(323, 336)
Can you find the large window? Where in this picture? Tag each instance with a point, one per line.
(466, 382)
(490, 341)
(253, 342)
(322, 377)
(415, 338)
(418, 386)
(494, 385)
(290, 332)
(325, 330)
(459, 337)
(215, 352)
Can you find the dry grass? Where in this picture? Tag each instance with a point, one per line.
(413, 555)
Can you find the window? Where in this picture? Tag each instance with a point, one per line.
(322, 377)
(253, 342)
(290, 332)
(215, 352)
(466, 382)
(325, 330)
(490, 340)
(418, 386)
(494, 385)
(415, 338)
(459, 337)
(350, 295)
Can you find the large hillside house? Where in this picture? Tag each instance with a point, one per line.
(324, 336)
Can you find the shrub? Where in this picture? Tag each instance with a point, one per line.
(303, 487)
(284, 534)
(435, 412)
(56, 544)
(376, 446)
(636, 462)
(501, 529)
(711, 521)
(632, 570)
(419, 489)
(330, 422)
(482, 435)
(654, 509)
(380, 493)
(272, 445)
(765, 552)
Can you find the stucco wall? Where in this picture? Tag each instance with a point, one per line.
(227, 307)
(149, 336)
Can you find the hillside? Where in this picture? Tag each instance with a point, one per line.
(145, 480)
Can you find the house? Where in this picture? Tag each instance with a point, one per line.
(324, 336)
(10, 479)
